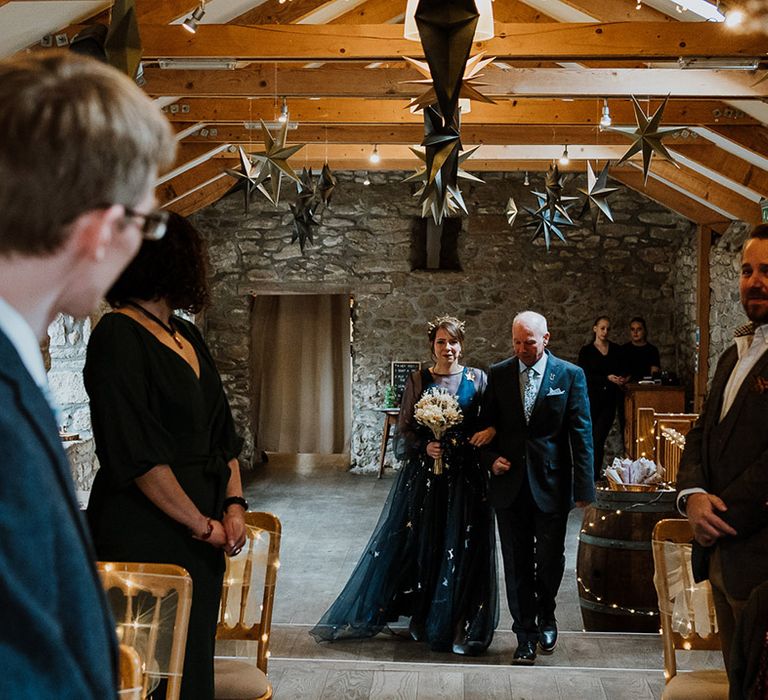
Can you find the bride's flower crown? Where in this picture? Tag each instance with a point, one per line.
(440, 320)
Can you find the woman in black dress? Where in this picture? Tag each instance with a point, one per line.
(168, 489)
(432, 555)
(601, 361)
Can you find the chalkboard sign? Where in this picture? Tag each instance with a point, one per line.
(401, 370)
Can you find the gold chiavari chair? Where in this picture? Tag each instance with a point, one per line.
(245, 617)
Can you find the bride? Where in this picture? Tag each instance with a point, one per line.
(432, 555)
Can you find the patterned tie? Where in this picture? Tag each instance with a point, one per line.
(529, 393)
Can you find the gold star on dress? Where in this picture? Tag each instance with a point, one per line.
(648, 137)
(596, 194)
(275, 158)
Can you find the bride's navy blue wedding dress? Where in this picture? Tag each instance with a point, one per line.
(432, 556)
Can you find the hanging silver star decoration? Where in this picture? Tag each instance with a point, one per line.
(511, 211)
(251, 177)
(275, 158)
(648, 137)
(327, 184)
(554, 200)
(468, 87)
(547, 224)
(596, 193)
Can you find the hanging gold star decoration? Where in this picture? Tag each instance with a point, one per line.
(275, 158)
(251, 177)
(596, 194)
(469, 84)
(648, 137)
(327, 184)
(123, 43)
(511, 211)
(547, 224)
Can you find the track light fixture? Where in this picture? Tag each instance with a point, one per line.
(375, 157)
(564, 159)
(283, 112)
(191, 22)
(605, 120)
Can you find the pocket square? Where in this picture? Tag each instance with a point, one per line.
(555, 391)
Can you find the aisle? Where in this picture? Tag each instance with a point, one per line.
(327, 515)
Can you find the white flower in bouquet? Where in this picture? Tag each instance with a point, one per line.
(438, 410)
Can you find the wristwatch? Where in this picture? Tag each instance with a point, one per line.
(682, 502)
(234, 500)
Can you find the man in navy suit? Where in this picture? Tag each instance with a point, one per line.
(723, 479)
(540, 462)
(80, 151)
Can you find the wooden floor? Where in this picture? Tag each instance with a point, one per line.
(328, 514)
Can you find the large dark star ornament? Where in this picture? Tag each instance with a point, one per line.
(547, 224)
(440, 195)
(251, 177)
(648, 137)
(123, 43)
(274, 158)
(469, 82)
(446, 29)
(326, 185)
(303, 210)
(554, 200)
(596, 193)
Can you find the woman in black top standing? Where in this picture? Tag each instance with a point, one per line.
(601, 361)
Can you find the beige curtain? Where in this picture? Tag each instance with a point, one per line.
(300, 349)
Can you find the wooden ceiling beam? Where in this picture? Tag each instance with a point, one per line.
(754, 139)
(276, 12)
(624, 11)
(538, 41)
(192, 179)
(390, 80)
(200, 197)
(372, 12)
(154, 12)
(672, 199)
(515, 11)
(406, 134)
(725, 164)
(547, 113)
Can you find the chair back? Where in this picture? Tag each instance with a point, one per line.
(130, 674)
(670, 444)
(249, 586)
(151, 604)
(648, 427)
(686, 608)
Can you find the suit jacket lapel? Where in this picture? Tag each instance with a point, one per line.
(746, 386)
(514, 388)
(547, 381)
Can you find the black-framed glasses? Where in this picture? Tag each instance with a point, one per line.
(154, 223)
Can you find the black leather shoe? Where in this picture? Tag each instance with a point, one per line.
(525, 654)
(548, 638)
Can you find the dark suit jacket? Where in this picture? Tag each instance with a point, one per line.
(730, 460)
(554, 449)
(56, 633)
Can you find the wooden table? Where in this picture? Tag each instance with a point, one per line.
(390, 419)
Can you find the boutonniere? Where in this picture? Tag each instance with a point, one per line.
(551, 376)
(555, 391)
(760, 385)
(471, 375)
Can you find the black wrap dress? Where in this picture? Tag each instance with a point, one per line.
(148, 407)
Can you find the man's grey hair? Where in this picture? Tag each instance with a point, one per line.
(533, 320)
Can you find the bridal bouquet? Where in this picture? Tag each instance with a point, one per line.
(438, 410)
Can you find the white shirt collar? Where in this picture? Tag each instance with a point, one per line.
(744, 342)
(22, 337)
(539, 366)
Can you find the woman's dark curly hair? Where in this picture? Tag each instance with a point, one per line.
(175, 268)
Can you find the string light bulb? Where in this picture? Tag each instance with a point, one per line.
(564, 159)
(283, 112)
(639, 5)
(606, 120)
(375, 157)
(191, 22)
(733, 18)
(366, 180)
(526, 180)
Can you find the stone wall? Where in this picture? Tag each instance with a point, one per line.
(640, 264)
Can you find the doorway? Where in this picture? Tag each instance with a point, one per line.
(301, 373)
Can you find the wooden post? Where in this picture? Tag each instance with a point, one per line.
(703, 247)
(434, 236)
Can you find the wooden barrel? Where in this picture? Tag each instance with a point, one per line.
(615, 564)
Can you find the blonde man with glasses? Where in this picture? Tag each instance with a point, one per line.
(81, 149)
